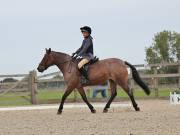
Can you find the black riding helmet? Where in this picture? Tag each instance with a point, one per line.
(86, 29)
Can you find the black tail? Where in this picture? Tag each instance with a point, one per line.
(137, 78)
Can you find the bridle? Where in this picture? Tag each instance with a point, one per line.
(68, 60)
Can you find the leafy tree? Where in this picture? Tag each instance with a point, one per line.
(165, 48)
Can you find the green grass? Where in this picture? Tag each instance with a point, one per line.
(57, 94)
(54, 94)
(12, 99)
(15, 99)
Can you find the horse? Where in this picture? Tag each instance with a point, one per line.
(113, 70)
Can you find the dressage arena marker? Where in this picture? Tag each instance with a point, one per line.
(174, 98)
(67, 106)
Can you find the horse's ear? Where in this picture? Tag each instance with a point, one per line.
(48, 51)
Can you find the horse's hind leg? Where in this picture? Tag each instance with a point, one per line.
(113, 87)
(83, 95)
(130, 94)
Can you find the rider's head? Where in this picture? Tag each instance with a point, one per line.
(86, 31)
(47, 61)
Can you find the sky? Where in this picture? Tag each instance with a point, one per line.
(121, 28)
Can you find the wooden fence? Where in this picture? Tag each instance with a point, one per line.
(32, 80)
(155, 76)
(28, 84)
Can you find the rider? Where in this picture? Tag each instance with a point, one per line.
(85, 51)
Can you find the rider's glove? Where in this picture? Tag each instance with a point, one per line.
(73, 55)
(78, 57)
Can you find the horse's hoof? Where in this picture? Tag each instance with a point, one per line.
(137, 109)
(105, 110)
(93, 111)
(59, 112)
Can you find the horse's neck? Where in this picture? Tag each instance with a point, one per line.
(61, 61)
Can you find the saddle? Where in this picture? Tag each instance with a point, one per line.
(84, 81)
(93, 61)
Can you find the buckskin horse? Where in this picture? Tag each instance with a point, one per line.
(114, 70)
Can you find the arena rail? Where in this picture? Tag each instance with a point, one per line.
(31, 79)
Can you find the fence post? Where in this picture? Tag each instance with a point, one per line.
(33, 86)
(156, 83)
(179, 77)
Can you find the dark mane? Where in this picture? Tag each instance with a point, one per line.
(61, 57)
(60, 53)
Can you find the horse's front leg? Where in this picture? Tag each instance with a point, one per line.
(83, 95)
(66, 94)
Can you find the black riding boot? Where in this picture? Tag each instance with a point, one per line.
(84, 73)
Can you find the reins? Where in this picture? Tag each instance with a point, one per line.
(70, 64)
(65, 61)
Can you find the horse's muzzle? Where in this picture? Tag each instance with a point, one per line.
(41, 68)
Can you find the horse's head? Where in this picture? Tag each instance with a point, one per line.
(47, 61)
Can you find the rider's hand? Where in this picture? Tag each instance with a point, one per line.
(73, 55)
(78, 57)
